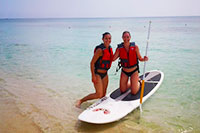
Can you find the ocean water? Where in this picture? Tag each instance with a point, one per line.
(44, 69)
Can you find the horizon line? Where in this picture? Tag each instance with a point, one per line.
(93, 17)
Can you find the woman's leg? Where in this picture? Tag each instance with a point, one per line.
(98, 94)
(123, 82)
(105, 84)
(135, 85)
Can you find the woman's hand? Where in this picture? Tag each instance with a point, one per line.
(145, 58)
(94, 79)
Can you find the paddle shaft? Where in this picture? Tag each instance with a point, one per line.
(142, 87)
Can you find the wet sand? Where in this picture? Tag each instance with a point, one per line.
(12, 121)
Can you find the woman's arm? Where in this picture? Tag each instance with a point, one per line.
(116, 55)
(97, 54)
(145, 58)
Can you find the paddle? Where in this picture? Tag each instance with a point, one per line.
(142, 88)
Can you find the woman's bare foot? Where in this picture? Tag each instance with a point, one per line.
(78, 103)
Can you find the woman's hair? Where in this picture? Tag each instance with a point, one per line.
(125, 33)
(104, 34)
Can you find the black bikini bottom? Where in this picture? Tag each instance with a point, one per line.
(130, 73)
(102, 75)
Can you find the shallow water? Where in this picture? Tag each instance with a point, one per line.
(44, 69)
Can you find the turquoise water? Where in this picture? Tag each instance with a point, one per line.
(44, 69)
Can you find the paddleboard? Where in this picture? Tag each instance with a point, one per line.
(116, 105)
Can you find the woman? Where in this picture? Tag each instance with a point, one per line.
(99, 65)
(129, 54)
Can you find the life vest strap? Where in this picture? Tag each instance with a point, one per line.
(118, 66)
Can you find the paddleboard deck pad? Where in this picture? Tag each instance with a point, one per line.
(117, 105)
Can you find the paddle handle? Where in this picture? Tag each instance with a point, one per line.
(142, 87)
(142, 92)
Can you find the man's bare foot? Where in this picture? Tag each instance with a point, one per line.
(78, 103)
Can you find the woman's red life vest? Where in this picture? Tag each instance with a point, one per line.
(128, 59)
(105, 61)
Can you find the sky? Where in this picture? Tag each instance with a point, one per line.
(97, 8)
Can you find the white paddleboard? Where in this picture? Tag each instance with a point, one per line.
(115, 105)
